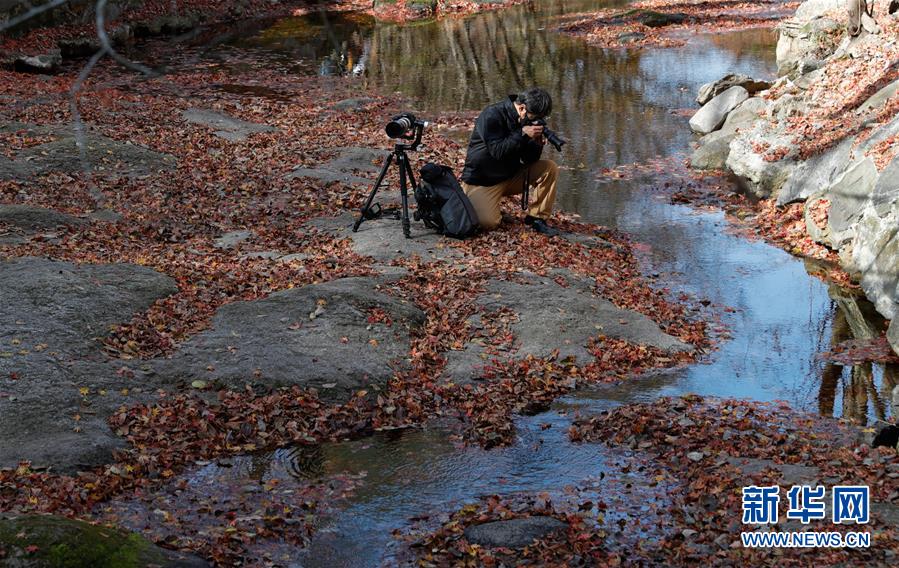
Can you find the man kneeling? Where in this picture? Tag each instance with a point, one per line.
(503, 155)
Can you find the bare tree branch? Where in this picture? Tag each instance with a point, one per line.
(80, 141)
(107, 45)
(34, 11)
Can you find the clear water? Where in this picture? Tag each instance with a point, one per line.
(615, 108)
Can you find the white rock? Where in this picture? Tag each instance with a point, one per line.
(712, 115)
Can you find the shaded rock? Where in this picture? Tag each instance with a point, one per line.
(315, 336)
(816, 173)
(713, 151)
(225, 126)
(89, 44)
(886, 190)
(168, 24)
(101, 154)
(858, 314)
(714, 88)
(653, 19)
(711, 116)
(875, 255)
(878, 99)
(383, 239)
(44, 63)
(51, 314)
(33, 219)
(514, 533)
(46, 540)
(848, 195)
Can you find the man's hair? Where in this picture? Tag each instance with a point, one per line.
(536, 101)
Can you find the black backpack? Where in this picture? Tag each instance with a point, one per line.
(442, 205)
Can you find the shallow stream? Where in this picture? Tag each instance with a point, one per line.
(616, 108)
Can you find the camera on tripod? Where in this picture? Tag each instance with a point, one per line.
(402, 127)
(405, 126)
(550, 136)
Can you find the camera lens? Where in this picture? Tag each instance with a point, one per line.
(398, 126)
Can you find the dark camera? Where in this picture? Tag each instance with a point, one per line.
(550, 136)
(401, 124)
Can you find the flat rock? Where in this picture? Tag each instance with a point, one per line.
(52, 313)
(101, 155)
(552, 317)
(47, 540)
(30, 219)
(345, 166)
(714, 88)
(315, 336)
(224, 125)
(514, 533)
(231, 239)
(383, 239)
(712, 115)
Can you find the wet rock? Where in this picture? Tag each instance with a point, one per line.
(315, 336)
(44, 63)
(46, 540)
(711, 116)
(89, 44)
(714, 88)
(817, 172)
(383, 239)
(653, 19)
(51, 316)
(225, 126)
(514, 533)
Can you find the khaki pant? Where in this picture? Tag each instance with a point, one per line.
(542, 177)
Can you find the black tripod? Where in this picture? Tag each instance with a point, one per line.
(370, 211)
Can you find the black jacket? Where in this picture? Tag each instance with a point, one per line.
(498, 149)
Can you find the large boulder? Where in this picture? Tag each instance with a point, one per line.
(875, 255)
(817, 173)
(513, 533)
(802, 46)
(51, 364)
(319, 336)
(714, 88)
(712, 151)
(37, 541)
(848, 196)
(711, 116)
(760, 176)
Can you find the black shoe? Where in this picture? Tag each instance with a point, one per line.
(540, 226)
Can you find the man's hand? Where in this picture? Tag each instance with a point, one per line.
(533, 132)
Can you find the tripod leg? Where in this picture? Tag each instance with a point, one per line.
(402, 159)
(371, 196)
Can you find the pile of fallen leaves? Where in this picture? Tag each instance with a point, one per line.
(665, 23)
(714, 448)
